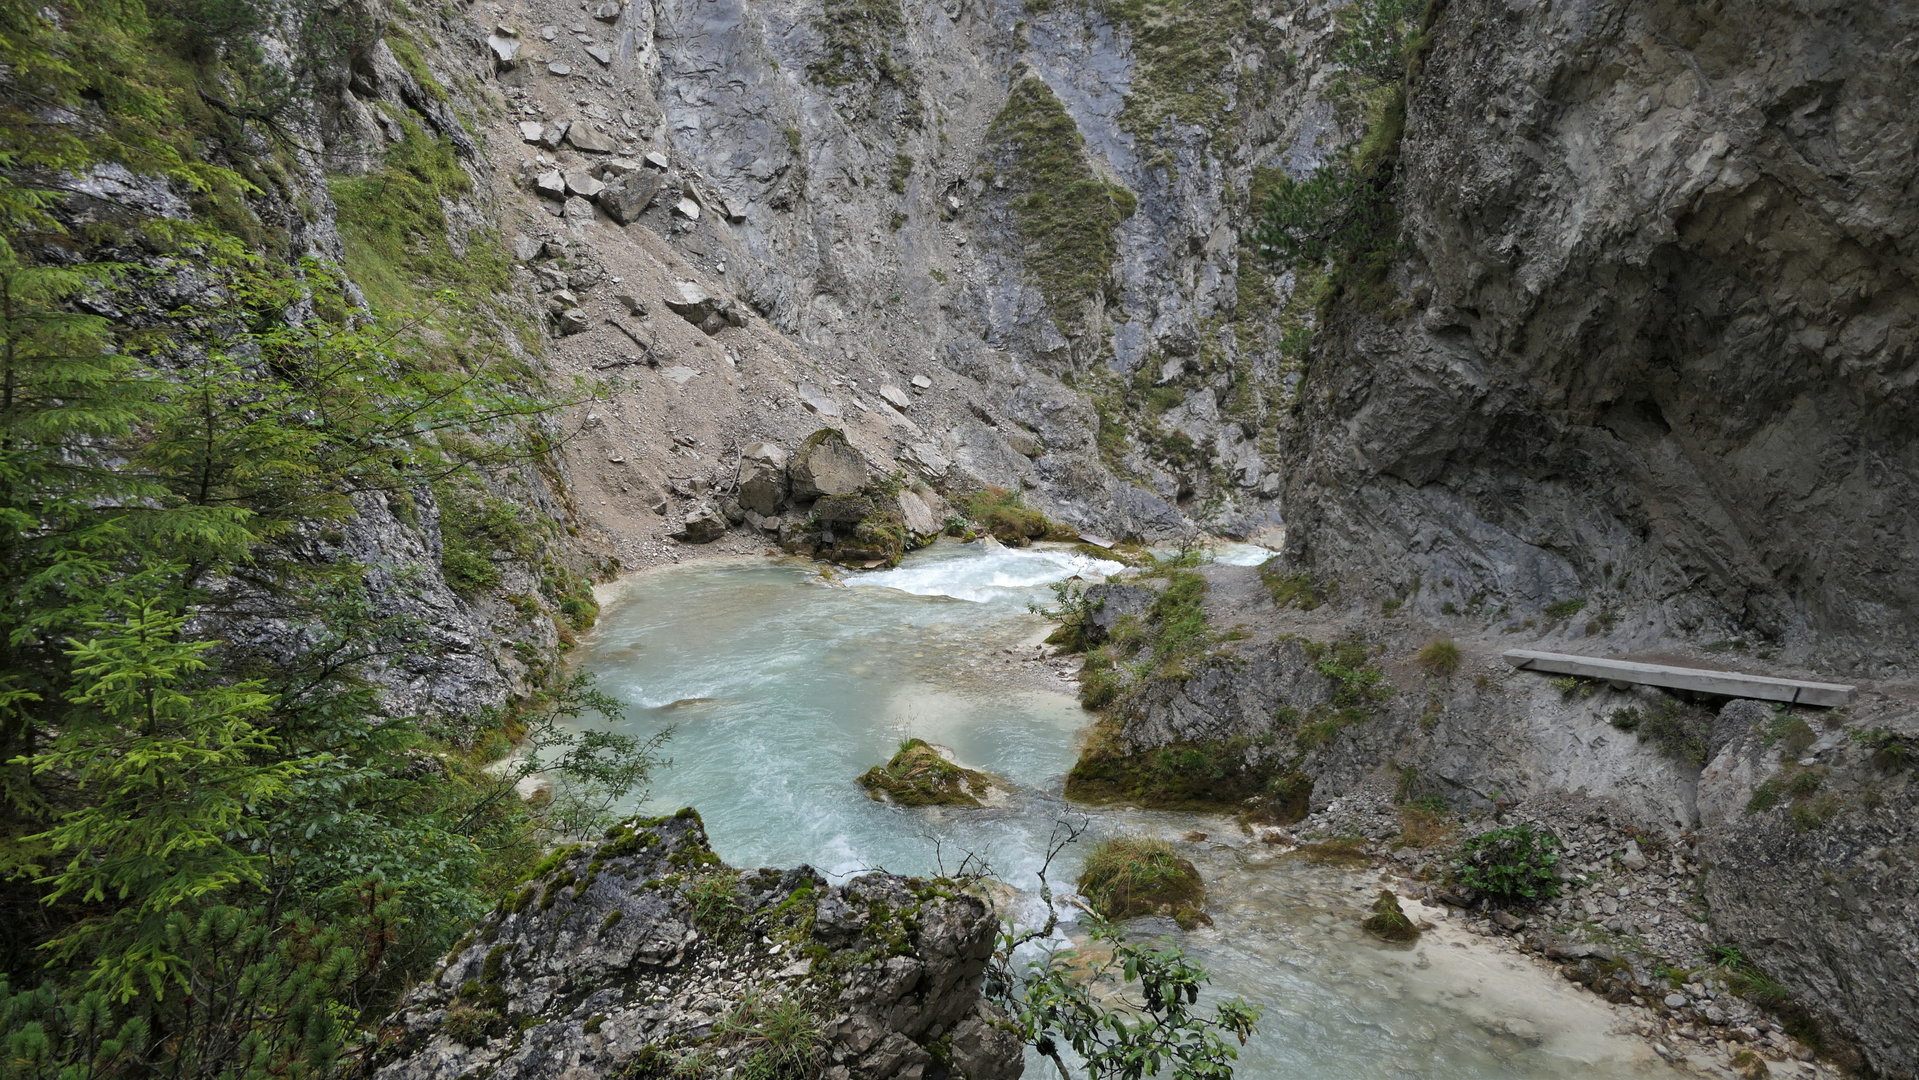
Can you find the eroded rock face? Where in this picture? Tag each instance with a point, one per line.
(644, 950)
(1813, 880)
(1663, 295)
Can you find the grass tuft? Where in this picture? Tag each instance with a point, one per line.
(1134, 875)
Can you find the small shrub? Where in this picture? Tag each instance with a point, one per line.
(717, 910)
(1890, 753)
(1099, 680)
(1792, 732)
(1388, 922)
(1071, 610)
(1441, 658)
(776, 1040)
(469, 1026)
(1566, 609)
(1136, 875)
(1301, 590)
(1512, 865)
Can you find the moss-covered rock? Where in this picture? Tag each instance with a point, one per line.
(1183, 776)
(1136, 875)
(657, 960)
(919, 775)
(1388, 922)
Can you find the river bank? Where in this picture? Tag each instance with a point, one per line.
(786, 680)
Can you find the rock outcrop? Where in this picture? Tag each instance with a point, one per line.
(643, 955)
(1811, 849)
(1659, 293)
(1804, 823)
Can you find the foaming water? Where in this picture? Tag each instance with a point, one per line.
(987, 571)
(782, 685)
(1234, 553)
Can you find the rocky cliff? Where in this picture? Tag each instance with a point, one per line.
(1644, 344)
(1654, 341)
(643, 955)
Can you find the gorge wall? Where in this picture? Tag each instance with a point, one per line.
(1656, 348)
(1647, 345)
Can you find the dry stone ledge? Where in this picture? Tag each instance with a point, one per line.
(603, 964)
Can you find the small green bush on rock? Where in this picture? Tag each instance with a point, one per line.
(1440, 658)
(919, 776)
(1512, 866)
(1137, 875)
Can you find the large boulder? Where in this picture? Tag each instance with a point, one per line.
(917, 516)
(703, 525)
(826, 464)
(624, 957)
(762, 478)
(690, 301)
(626, 198)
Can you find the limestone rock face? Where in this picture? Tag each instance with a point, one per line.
(1816, 887)
(826, 464)
(608, 961)
(1639, 364)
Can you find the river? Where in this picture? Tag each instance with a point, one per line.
(783, 683)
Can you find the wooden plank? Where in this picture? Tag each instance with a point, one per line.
(1703, 680)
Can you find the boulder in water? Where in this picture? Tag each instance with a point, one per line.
(1140, 875)
(919, 775)
(1388, 922)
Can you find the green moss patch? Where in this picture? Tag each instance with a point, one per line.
(1388, 922)
(859, 37)
(396, 232)
(1131, 875)
(1065, 214)
(920, 776)
(1301, 590)
(1677, 728)
(1003, 513)
(1184, 776)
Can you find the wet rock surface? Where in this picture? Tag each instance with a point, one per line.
(643, 951)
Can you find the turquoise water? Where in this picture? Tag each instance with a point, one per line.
(782, 685)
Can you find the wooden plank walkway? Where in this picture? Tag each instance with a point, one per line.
(1703, 680)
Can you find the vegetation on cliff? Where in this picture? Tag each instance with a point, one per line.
(1064, 213)
(216, 851)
